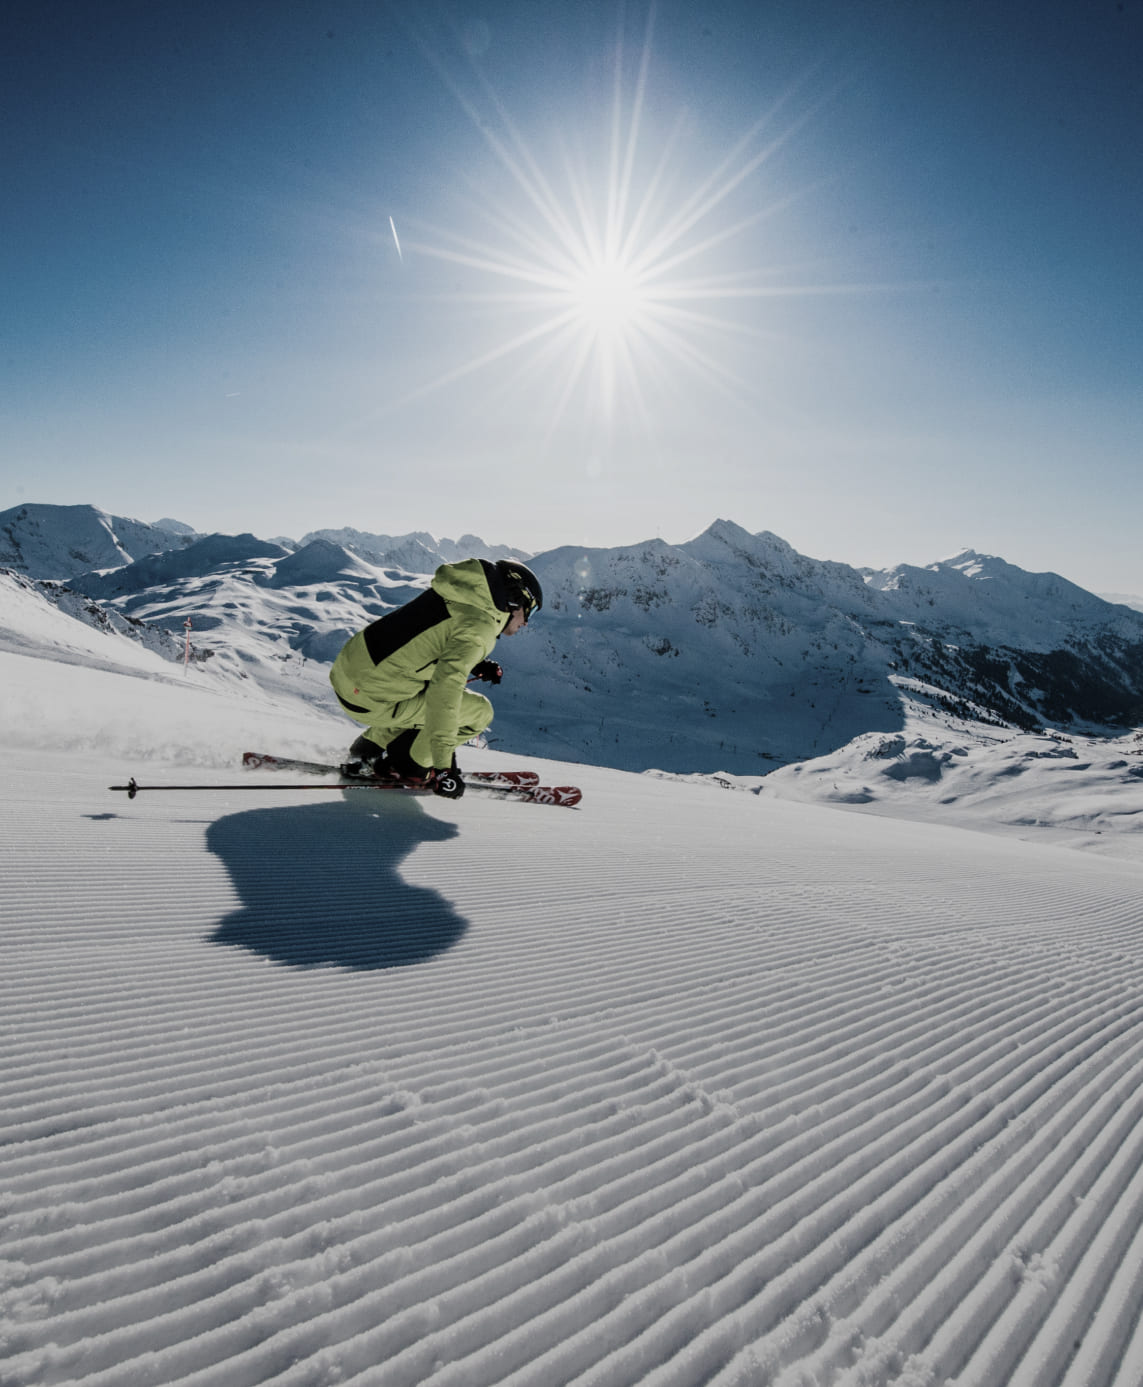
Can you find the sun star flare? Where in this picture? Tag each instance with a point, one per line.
(606, 279)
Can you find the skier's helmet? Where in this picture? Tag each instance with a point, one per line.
(522, 587)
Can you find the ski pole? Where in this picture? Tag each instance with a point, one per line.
(133, 789)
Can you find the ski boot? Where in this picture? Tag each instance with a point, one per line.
(366, 761)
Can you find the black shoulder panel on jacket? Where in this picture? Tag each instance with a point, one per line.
(496, 585)
(395, 629)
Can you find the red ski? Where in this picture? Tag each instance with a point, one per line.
(499, 780)
(523, 785)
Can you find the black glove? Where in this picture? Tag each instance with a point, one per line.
(450, 784)
(488, 671)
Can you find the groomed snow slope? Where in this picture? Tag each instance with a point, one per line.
(685, 1086)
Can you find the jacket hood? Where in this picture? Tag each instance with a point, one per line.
(466, 583)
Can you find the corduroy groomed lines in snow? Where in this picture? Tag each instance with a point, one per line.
(708, 1089)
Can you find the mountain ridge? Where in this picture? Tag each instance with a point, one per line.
(48, 541)
(730, 650)
(60, 543)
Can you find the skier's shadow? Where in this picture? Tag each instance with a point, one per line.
(320, 884)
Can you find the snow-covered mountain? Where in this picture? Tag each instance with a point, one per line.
(176, 527)
(1002, 604)
(204, 556)
(730, 652)
(419, 552)
(733, 650)
(61, 541)
(65, 542)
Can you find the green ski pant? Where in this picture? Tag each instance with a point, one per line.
(385, 722)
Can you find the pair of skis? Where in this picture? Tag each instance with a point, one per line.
(507, 784)
(521, 785)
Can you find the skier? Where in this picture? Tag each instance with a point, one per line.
(405, 675)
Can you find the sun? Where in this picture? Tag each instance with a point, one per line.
(604, 272)
(607, 297)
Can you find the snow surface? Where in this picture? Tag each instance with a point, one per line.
(684, 1086)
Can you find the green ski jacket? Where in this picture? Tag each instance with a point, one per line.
(429, 646)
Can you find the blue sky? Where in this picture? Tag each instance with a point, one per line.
(862, 274)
